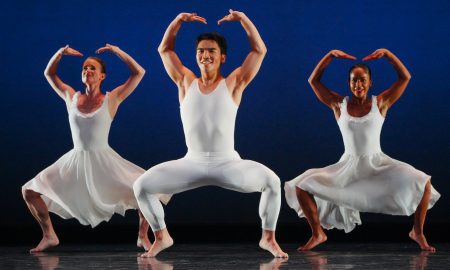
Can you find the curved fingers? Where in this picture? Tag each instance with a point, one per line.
(376, 55)
(198, 19)
(341, 54)
(69, 51)
(233, 16)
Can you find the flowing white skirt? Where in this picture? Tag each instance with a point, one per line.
(88, 185)
(373, 183)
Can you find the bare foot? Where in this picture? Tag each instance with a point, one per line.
(273, 247)
(46, 242)
(144, 242)
(313, 242)
(421, 240)
(158, 246)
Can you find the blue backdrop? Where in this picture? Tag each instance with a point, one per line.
(280, 121)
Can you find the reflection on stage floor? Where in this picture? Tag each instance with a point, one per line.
(229, 256)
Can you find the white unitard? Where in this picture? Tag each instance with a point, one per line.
(208, 123)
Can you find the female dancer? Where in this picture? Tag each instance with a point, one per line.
(91, 182)
(365, 179)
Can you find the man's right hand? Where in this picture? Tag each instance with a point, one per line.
(191, 17)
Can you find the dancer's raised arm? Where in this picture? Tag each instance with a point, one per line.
(61, 88)
(121, 92)
(323, 93)
(388, 97)
(181, 75)
(244, 74)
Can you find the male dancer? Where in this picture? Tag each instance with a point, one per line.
(208, 108)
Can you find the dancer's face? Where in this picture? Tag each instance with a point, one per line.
(360, 82)
(209, 57)
(92, 72)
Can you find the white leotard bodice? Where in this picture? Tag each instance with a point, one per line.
(361, 135)
(209, 119)
(89, 130)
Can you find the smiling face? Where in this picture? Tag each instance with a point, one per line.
(209, 57)
(359, 82)
(92, 72)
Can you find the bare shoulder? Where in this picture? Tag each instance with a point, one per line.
(382, 105)
(232, 83)
(335, 101)
(335, 106)
(184, 86)
(187, 82)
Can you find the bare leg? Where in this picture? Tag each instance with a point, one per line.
(416, 233)
(143, 241)
(40, 212)
(269, 243)
(309, 207)
(163, 240)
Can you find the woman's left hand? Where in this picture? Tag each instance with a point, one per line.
(377, 54)
(108, 47)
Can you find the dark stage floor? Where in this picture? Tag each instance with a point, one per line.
(230, 256)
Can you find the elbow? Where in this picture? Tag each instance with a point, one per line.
(311, 80)
(162, 49)
(140, 72)
(262, 50)
(406, 77)
(48, 75)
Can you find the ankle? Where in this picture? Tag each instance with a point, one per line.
(417, 231)
(268, 236)
(162, 235)
(319, 233)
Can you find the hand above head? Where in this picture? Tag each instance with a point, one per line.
(341, 54)
(69, 51)
(377, 54)
(191, 17)
(233, 16)
(108, 47)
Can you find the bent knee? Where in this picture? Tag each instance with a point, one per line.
(146, 184)
(273, 182)
(29, 195)
(138, 188)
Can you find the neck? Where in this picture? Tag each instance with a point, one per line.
(210, 78)
(359, 100)
(92, 90)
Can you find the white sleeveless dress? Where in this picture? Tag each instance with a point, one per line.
(91, 182)
(364, 180)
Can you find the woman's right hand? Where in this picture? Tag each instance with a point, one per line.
(66, 50)
(341, 54)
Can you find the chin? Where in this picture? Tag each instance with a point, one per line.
(359, 95)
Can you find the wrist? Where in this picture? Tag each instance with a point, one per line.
(179, 19)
